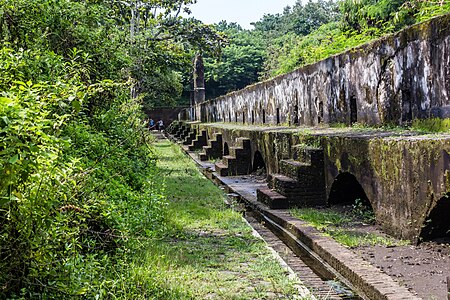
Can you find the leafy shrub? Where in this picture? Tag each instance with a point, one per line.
(75, 185)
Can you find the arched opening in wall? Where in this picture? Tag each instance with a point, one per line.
(320, 116)
(353, 110)
(347, 190)
(235, 117)
(226, 149)
(278, 116)
(229, 116)
(243, 117)
(259, 166)
(437, 224)
(253, 117)
(264, 116)
(295, 118)
(215, 114)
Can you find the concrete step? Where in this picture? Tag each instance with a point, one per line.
(292, 168)
(202, 156)
(190, 137)
(179, 132)
(243, 142)
(284, 182)
(297, 193)
(272, 199)
(221, 169)
(312, 156)
(230, 162)
(240, 152)
(200, 141)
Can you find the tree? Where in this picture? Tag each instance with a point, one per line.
(239, 65)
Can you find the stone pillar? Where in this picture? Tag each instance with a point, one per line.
(199, 80)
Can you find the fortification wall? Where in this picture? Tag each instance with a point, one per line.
(392, 80)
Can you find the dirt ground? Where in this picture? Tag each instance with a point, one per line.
(423, 268)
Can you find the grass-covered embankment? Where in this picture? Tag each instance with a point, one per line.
(208, 251)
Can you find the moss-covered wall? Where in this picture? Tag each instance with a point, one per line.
(402, 175)
(392, 80)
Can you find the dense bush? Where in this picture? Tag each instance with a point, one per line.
(76, 184)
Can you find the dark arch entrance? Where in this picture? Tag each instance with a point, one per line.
(346, 190)
(226, 149)
(437, 225)
(259, 165)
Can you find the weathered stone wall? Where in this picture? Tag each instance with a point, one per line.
(392, 80)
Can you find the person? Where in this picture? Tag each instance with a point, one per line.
(151, 124)
(160, 125)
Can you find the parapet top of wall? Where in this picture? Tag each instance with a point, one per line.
(394, 79)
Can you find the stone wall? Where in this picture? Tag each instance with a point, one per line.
(392, 80)
(404, 176)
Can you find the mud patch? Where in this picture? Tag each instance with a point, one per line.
(422, 269)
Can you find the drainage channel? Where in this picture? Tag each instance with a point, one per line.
(320, 278)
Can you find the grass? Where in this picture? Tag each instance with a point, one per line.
(341, 226)
(423, 126)
(207, 250)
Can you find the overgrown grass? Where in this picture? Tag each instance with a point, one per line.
(340, 225)
(208, 251)
(433, 125)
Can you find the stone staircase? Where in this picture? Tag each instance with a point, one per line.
(181, 130)
(200, 140)
(173, 127)
(301, 181)
(213, 150)
(190, 137)
(239, 162)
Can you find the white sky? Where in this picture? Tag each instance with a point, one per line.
(242, 12)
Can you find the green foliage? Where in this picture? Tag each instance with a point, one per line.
(239, 64)
(78, 177)
(73, 188)
(431, 125)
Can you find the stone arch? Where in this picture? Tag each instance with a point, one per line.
(437, 224)
(226, 149)
(259, 165)
(347, 189)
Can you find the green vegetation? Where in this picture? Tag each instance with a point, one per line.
(78, 188)
(347, 227)
(432, 125)
(306, 33)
